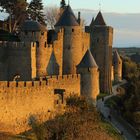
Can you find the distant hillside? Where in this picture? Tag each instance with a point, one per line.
(128, 51)
(133, 53)
(135, 57)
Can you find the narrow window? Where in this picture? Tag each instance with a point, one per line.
(45, 44)
(37, 43)
(57, 102)
(16, 84)
(72, 30)
(32, 83)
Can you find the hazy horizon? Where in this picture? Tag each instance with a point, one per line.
(126, 30)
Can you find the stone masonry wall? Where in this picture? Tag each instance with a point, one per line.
(71, 83)
(15, 59)
(21, 100)
(19, 60)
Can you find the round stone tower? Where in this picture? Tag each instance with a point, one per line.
(32, 31)
(89, 77)
(117, 62)
(72, 44)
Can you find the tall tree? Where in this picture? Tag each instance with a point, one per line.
(16, 10)
(51, 15)
(35, 11)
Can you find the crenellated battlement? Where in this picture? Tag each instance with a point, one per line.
(16, 45)
(47, 82)
(16, 84)
(49, 46)
(64, 77)
(21, 99)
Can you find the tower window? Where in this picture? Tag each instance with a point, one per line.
(45, 44)
(72, 30)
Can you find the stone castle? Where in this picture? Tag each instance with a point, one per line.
(41, 68)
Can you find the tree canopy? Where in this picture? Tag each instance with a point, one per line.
(16, 10)
(20, 10)
(35, 11)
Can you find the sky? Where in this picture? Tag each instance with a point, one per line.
(120, 14)
(117, 6)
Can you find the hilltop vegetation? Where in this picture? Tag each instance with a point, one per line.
(128, 102)
(80, 122)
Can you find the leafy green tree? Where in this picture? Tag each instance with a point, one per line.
(129, 68)
(35, 11)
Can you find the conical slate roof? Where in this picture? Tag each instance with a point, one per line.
(52, 59)
(92, 22)
(116, 56)
(87, 61)
(6, 36)
(99, 20)
(52, 65)
(68, 18)
(30, 25)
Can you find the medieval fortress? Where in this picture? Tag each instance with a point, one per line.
(45, 67)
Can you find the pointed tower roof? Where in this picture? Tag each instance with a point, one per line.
(99, 20)
(53, 67)
(53, 59)
(68, 18)
(87, 61)
(92, 22)
(116, 56)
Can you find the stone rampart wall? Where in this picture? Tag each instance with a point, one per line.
(21, 100)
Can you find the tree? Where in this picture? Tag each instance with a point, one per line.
(35, 11)
(51, 15)
(16, 10)
(62, 4)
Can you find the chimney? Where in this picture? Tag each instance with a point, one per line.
(79, 18)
